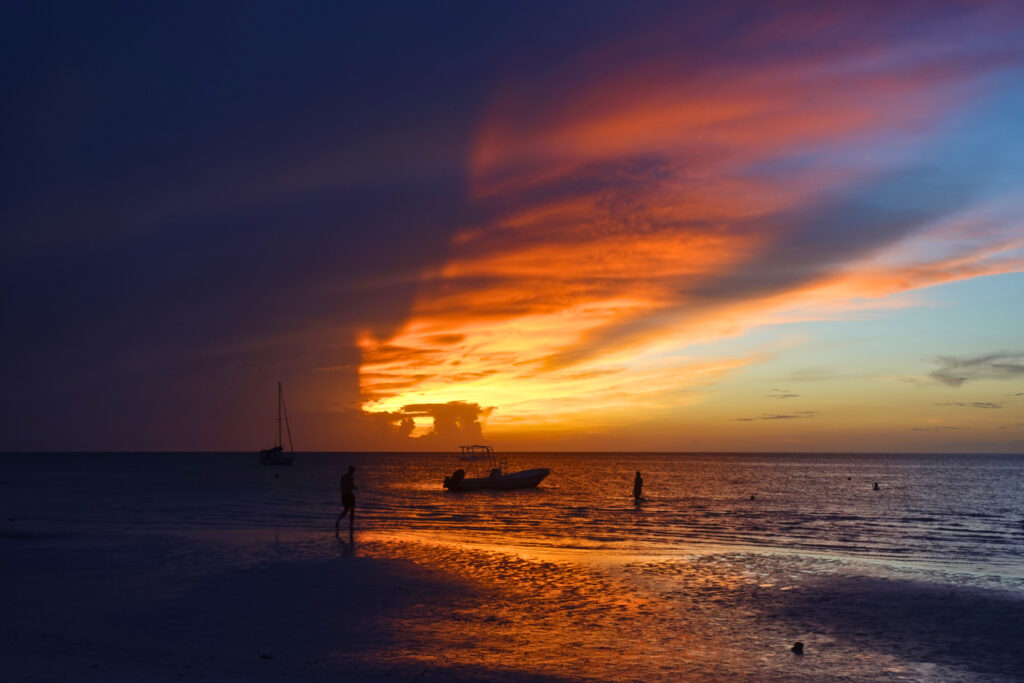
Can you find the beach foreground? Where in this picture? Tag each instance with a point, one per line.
(265, 605)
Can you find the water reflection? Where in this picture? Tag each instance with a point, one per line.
(582, 614)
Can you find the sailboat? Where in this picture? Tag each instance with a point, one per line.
(276, 455)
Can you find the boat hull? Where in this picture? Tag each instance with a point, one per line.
(275, 456)
(526, 479)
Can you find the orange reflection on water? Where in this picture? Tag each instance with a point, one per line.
(570, 614)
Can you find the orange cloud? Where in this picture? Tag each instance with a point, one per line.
(630, 212)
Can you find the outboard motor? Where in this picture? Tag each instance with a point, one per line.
(452, 483)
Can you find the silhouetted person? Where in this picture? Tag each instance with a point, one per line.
(348, 500)
(876, 487)
(638, 487)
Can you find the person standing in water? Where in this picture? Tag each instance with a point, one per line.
(638, 487)
(348, 500)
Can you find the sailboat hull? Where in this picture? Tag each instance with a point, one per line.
(276, 458)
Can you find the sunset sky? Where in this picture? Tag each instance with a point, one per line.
(728, 226)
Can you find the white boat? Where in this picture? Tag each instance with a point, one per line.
(276, 455)
(498, 478)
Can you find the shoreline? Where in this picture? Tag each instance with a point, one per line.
(209, 606)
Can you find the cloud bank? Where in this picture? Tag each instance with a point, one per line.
(453, 423)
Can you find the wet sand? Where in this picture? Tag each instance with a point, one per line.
(274, 606)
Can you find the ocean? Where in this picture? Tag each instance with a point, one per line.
(962, 512)
(193, 566)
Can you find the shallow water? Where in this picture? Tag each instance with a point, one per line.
(921, 580)
(964, 512)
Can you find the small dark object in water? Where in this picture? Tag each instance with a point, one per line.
(266, 656)
(276, 475)
(751, 496)
(876, 487)
(798, 648)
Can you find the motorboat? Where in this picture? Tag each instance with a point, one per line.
(482, 458)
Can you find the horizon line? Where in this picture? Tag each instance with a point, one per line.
(550, 452)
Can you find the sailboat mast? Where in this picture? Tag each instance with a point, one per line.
(279, 442)
(287, 425)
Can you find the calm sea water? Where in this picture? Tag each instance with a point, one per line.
(961, 511)
(920, 580)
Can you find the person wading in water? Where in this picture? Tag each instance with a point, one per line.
(638, 487)
(348, 501)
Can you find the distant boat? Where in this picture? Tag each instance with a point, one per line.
(276, 454)
(497, 479)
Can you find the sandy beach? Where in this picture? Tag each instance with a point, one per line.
(264, 605)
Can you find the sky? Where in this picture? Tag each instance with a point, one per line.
(572, 226)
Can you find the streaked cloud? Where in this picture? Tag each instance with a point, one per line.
(635, 202)
(958, 370)
(818, 374)
(974, 404)
(782, 394)
(801, 415)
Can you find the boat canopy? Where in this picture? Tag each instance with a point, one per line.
(476, 453)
